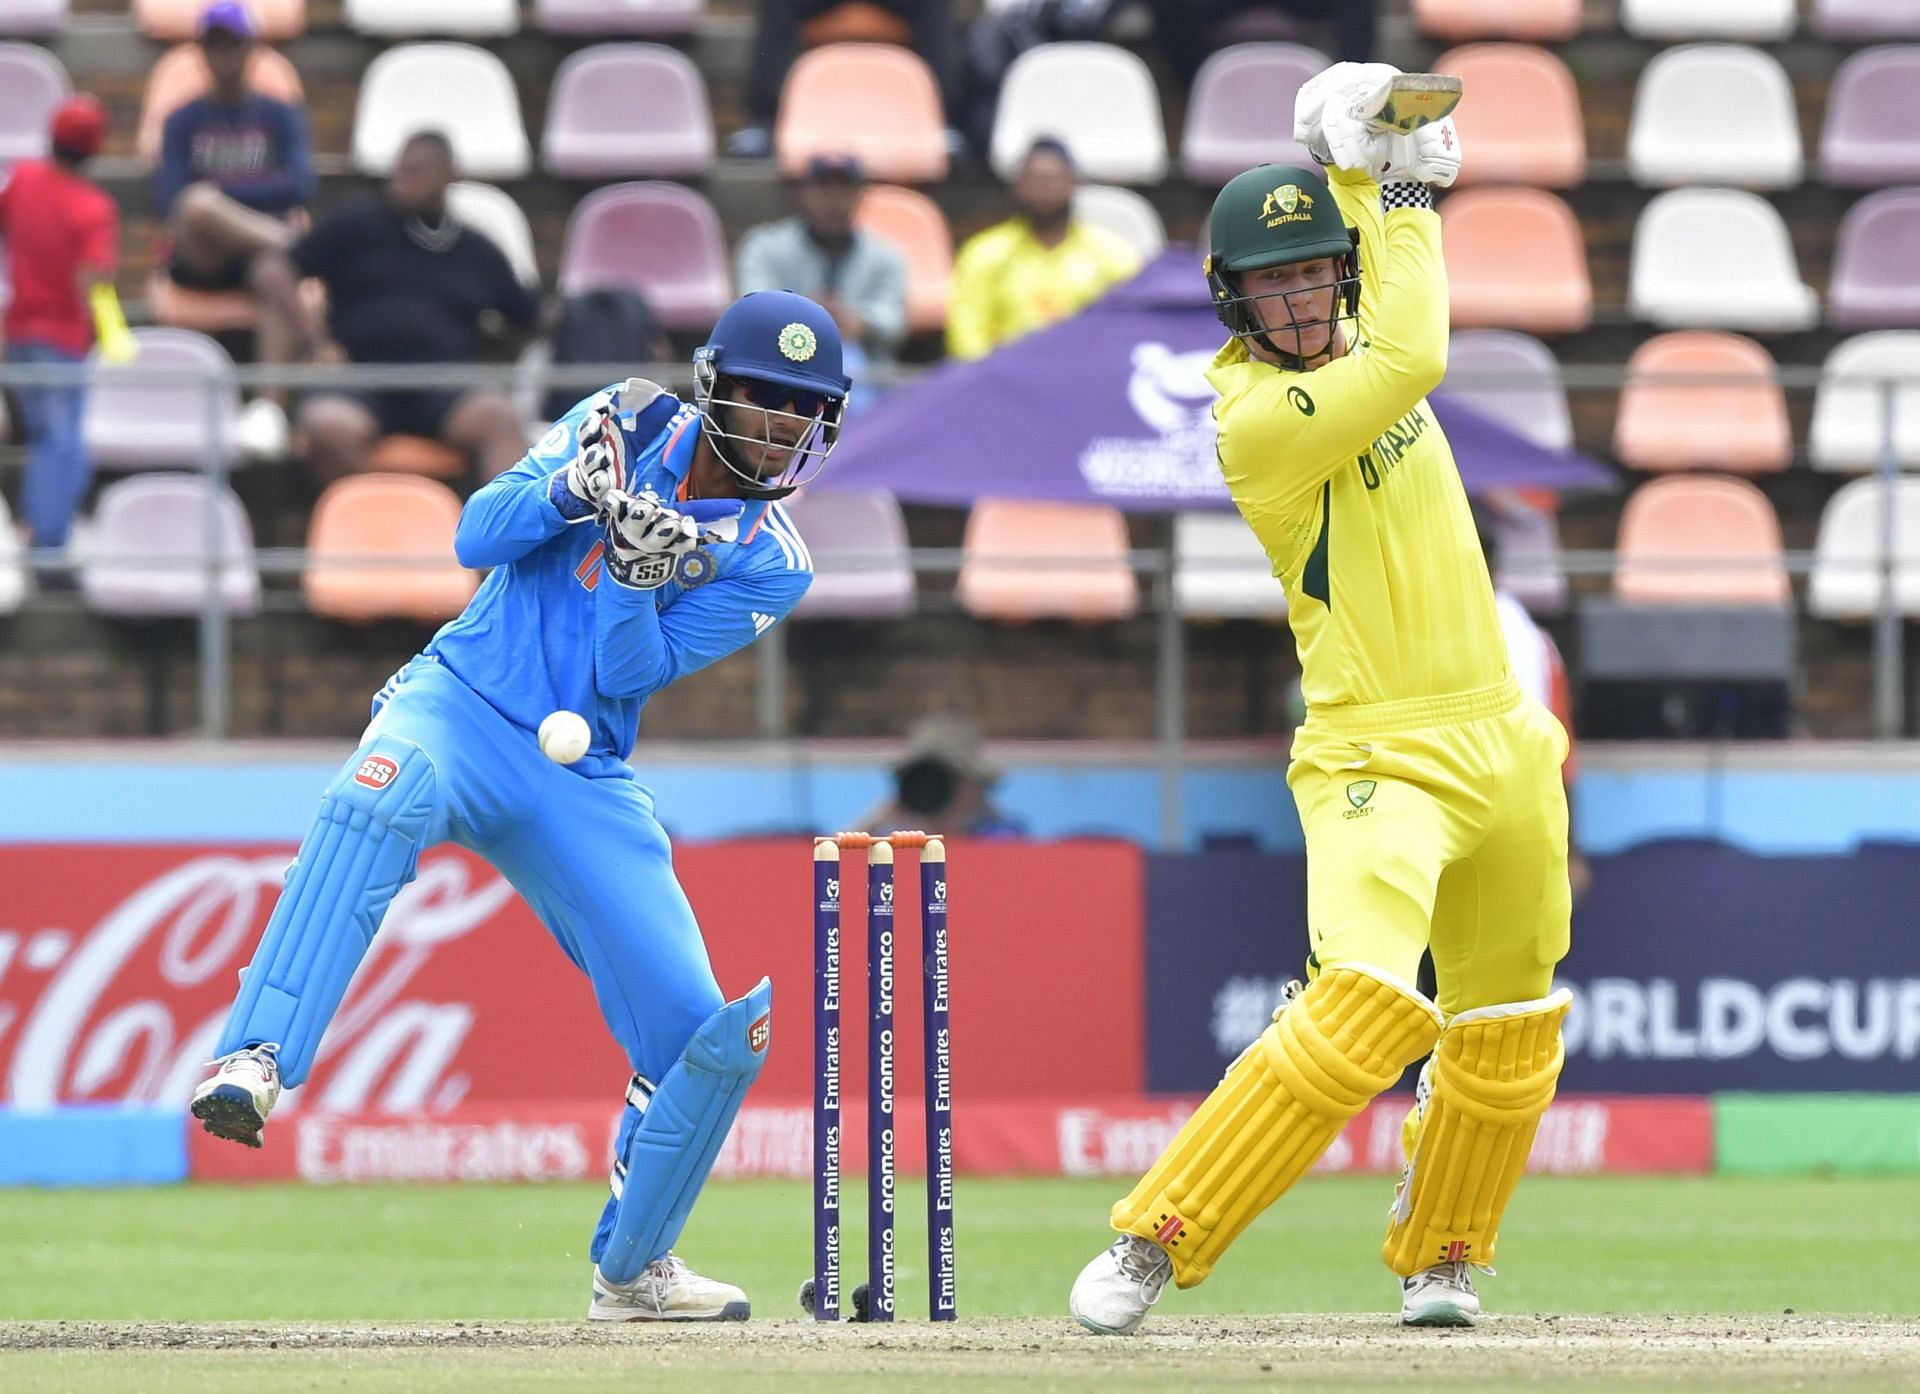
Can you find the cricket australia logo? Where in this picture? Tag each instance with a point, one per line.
(1358, 794)
(1286, 204)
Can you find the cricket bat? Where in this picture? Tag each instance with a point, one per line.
(1408, 101)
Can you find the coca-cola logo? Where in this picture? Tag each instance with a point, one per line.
(131, 1009)
(376, 772)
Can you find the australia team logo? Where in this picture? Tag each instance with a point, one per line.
(1359, 793)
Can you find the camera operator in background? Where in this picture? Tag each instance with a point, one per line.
(944, 785)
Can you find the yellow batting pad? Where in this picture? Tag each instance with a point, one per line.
(1493, 1077)
(1348, 1036)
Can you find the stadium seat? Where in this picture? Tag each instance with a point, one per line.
(1221, 572)
(147, 550)
(1530, 567)
(181, 76)
(619, 110)
(32, 19)
(611, 17)
(914, 223)
(1518, 385)
(172, 21)
(1536, 21)
(456, 88)
(401, 453)
(1241, 110)
(874, 101)
(684, 274)
(1847, 431)
(1756, 21)
(1874, 256)
(1849, 555)
(1523, 125)
(493, 213)
(1715, 114)
(1515, 260)
(855, 22)
(1872, 131)
(32, 84)
(13, 564)
(1126, 214)
(1861, 21)
(362, 527)
(476, 19)
(1699, 540)
(1737, 424)
(862, 568)
(1099, 99)
(1719, 259)
(164, 390)
(1023, 560)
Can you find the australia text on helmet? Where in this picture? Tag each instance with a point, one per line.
(96, 1014)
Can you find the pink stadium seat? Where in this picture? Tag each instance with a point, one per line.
(1534, 21)
(147, 550)
(1872, 131)
(165, 390)
(1864, 20)
(1699, 540)
(32, 84)
(32, 19)
(628, 109)
(362, 527)
(1515, 260)
(1241, 111)
(914, 223)
(871, 100)
(1513, 378)
(683, 272)
(1738, 424)
(612, 17)
(862, 567)
(1874, 256)
(1026, 561)
(1523, 125)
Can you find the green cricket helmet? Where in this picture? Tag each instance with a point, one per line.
(1270, 216)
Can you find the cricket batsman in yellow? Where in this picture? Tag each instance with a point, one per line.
(1428, 786)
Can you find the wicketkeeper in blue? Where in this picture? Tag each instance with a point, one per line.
(640, 540)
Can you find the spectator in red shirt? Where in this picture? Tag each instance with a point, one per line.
(63, 237)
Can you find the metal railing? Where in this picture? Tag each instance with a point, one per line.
(1155, 567)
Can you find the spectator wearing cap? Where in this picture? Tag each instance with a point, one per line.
(860, 279)
(406, 284)
(1037, 267)
(62, 235)
(944, 784)
(234, 179)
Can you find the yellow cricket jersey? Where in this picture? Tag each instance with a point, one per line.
(1007, 283)
(1345, 477)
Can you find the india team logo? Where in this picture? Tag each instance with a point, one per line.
(695, 569)
(797, 342)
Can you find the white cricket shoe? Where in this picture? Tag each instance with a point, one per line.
(233, 1102)
(1112, 1294)
(666, 1290)
(1442, 1295)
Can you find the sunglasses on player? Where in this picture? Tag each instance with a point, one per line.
(774, 396)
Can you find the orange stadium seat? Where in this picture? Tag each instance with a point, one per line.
(1699, 540)
(383, 519)
(173, 20)
(1027, 561)
(914, 223)
(1740, 426)
(1535, 21)
(181, 75)
(1523, 125)
(874, 101)
(404, 454)
(855, 22)
(1515, 261)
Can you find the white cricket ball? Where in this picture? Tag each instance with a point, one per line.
(564, 737)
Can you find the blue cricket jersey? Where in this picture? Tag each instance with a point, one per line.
(551, 630)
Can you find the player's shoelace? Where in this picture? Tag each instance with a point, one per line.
(267, 1056)
(1144, 1264)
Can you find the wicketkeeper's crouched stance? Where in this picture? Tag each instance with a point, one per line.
(640, 540)
(1428, 787)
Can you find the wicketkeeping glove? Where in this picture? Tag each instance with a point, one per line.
(598, 467)
(645, 538)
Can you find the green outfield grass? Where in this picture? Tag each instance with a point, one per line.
(296, 1253)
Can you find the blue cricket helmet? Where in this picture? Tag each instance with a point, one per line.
(778, 337)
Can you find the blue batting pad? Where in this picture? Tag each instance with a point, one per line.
(668, 1156)
(362, 848)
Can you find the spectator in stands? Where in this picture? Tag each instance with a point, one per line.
(778, 37)
(234, 180)
(1187, 31)
(405, 284)
(1039, 266)
(1535, 660)
(62, 235)
(859, 279)
(945, 784)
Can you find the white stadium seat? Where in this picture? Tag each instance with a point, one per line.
(1756, 21)
(1098, 99)
(463, 92)
(1221, 571)
(1124, 213)
(1715, 114)
(1848, 416)
(467, 18)
(1717, 259)
(494, 214)
(1848, 556)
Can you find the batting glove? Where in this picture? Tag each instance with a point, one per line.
(1338, 87)
(1352, 144)
(1434, 154)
